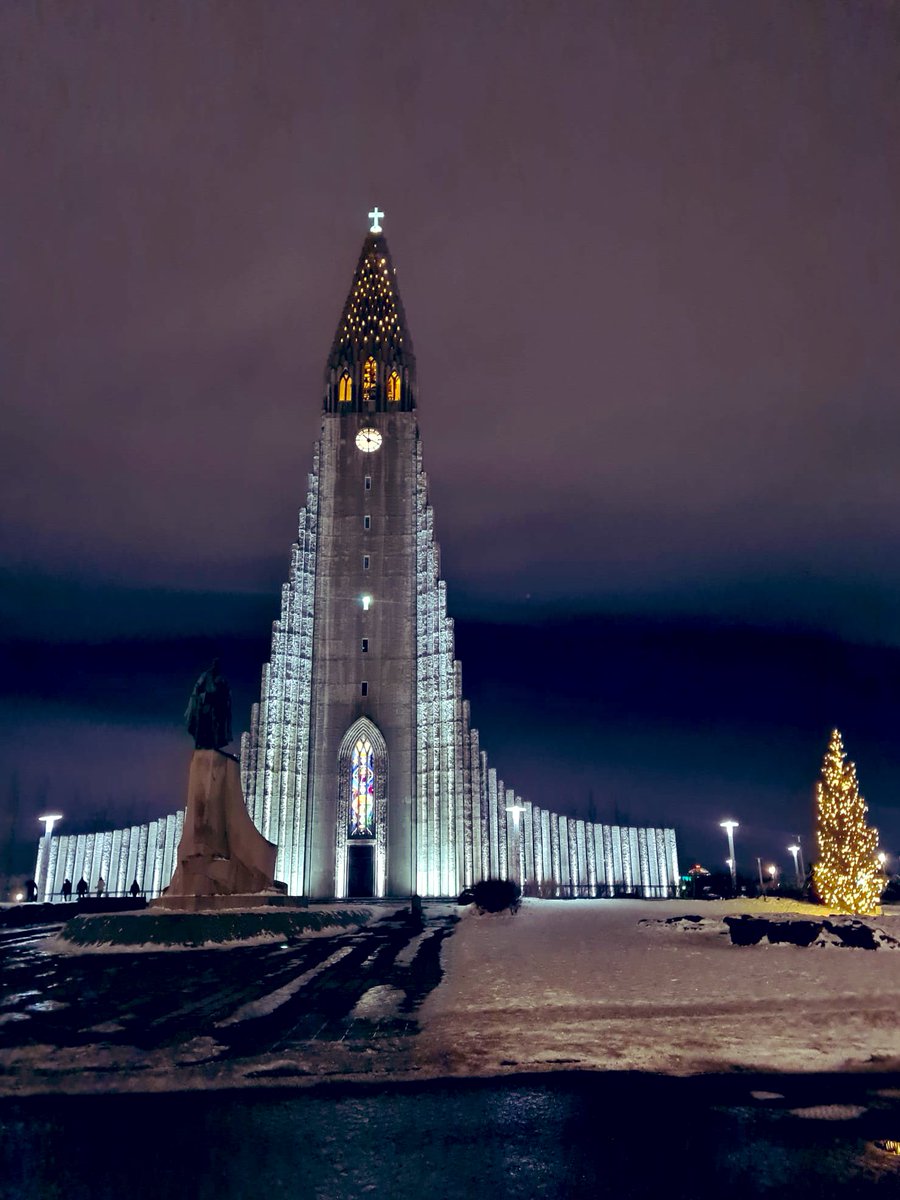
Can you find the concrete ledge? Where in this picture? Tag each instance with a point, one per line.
(198, 904)
(205, 930)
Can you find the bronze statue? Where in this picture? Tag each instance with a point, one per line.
(208, 715)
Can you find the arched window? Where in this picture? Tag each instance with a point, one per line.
(369, 379)
(362, 789)
(345, 389)
(393, 387)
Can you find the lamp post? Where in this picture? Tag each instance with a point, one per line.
(773, 871)
(516, 810)
(800, 851)
(729, 827)
(762, 882)
(795, 850)
(43, 864)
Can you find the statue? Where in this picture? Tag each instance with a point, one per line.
(223, 861)
(208, 714)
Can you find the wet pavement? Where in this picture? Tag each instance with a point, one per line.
(566, 1136)
(244, 1004)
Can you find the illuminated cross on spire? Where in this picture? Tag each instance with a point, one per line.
(375, 216)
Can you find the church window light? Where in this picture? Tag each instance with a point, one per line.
(367, 522)
(393, 387)
(365, 645)
(369, 379)
(365, 562)
(345, 389)
(362, 789)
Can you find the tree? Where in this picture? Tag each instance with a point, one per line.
(847, 876)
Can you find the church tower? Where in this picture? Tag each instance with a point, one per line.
(351, 756)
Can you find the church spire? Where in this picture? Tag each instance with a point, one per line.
(371, 367)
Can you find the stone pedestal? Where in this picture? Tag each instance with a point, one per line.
(221, 854)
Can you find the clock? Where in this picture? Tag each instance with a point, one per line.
(368, 440)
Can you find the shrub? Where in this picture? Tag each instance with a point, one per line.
(494, 895)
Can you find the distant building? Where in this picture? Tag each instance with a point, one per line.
(361, 762)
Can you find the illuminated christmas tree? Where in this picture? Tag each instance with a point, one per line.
(847, 876)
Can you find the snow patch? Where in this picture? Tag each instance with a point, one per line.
(266, 1005)
(829, 1112)
(411, 949)
(580, 979)
(378, 1002)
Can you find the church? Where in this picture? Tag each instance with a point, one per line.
(361, 762)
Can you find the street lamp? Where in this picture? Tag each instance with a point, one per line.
(44, 860)
(802, 864)
(729, 827)
(795, 850)
(516, 810)
(773, 871)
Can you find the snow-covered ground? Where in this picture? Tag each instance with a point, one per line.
(582, 984)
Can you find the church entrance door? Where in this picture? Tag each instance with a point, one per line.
(361, 871)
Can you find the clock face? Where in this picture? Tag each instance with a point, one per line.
(368, 440)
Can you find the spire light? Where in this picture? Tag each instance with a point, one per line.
(375, 216)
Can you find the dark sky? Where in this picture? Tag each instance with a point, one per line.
(649, 253)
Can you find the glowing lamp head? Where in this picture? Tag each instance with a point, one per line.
(729, 824)
(773, 871)
(366, 602)
(20, 895)
(882, 857)
(50, 820)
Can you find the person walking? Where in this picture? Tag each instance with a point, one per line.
(67, 889)
(100, 887)
(81, 888)
(135, 889)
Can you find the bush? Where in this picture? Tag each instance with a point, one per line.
(494, 895)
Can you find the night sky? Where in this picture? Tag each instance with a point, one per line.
(650, 259)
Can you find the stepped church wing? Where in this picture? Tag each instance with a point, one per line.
(361, 763)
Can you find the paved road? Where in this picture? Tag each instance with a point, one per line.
(563, 1137)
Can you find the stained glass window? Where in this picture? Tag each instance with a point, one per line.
(369, 379)
(393, 388)
(362, 790)
(345, 389)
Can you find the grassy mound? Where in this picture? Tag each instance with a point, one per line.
(175, 931)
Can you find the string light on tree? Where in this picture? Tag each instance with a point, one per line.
(847, 876)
